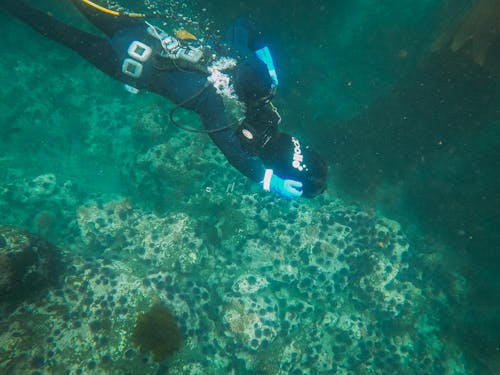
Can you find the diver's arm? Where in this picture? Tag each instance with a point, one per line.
(210, 107)
(213, 117)
(249, 166)
(244, 40)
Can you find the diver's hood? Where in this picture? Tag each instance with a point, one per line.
(290, 159)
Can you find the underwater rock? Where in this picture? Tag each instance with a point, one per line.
(312, 287)
(28, 264)
(251, 320)
(248, 284)
(118, 228)
(89, 321)
(34, 190)
(314, 294)
(182, 167)
(44, 205)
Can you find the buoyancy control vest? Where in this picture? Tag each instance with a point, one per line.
(146, 48)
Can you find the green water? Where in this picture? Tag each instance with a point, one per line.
(392, 271)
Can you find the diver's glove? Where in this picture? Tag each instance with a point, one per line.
(285, 188)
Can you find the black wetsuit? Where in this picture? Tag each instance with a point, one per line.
(179, 86)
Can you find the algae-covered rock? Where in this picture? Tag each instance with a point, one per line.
(314, 291)
(117, 228)
(28, 264)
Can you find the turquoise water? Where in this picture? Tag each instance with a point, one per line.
(392, 271)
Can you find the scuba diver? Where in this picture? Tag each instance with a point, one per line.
(201, 77)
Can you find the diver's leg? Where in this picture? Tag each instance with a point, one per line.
(106, 22)
(94, 49)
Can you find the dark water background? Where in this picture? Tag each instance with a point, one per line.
(408, 132)
(413, 133)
